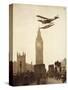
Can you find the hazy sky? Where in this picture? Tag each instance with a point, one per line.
(25, 27)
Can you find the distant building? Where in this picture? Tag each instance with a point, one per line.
(29, 67)
(51, 70)
(58, 66)
(63, 65)
(14, 68)
(21, 62)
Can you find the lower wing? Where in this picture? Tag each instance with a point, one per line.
(47, 26)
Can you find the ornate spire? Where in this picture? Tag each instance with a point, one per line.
(39, 35)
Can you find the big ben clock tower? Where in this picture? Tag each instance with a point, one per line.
(39, 48)
(39, 67)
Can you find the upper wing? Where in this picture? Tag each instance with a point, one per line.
(41, 17)
(56, 17)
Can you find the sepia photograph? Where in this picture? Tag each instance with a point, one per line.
(37, 44)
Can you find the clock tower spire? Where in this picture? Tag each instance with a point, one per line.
(39, 48)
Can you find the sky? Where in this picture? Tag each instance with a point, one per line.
(25, 28)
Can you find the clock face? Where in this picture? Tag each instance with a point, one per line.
(38, 45)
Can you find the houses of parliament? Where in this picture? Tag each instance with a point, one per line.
(20, 70)
(21, 66)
